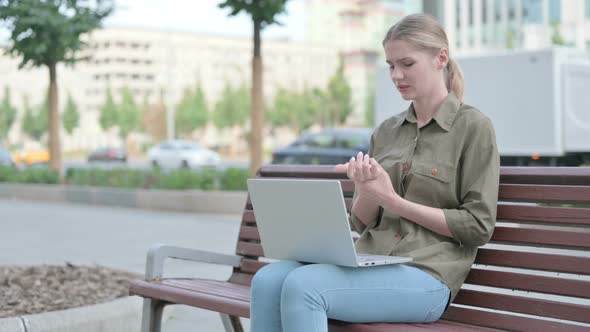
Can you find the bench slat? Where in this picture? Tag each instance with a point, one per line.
(545, 214)
(541, 236)
(226, 300)
(439, 326)
(534, 261)
(301, 171)
(546, 175)
(508, 322)
(249, 233)
(524, 305)
(239, 278)
(544, 193)
(527, 282)
(251, 265)
(249, 249)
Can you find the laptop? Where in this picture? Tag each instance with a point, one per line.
(317, 231)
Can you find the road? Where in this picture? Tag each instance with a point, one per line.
(47, 233)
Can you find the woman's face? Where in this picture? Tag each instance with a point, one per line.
(415, 73)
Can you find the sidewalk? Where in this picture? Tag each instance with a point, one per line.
(47, 233)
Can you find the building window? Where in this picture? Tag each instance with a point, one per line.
(587, 8)
(554, 11)
(533, 11)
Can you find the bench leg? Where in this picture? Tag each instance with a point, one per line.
(151, 319)
(231, 323)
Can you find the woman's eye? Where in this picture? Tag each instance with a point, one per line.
(409, 64)
(391, 67)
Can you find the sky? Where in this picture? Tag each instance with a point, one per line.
(198, 16)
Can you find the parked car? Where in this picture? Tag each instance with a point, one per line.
(31, 157)
(182, 154)
(108, 154)
(6, 158)
(327, 147)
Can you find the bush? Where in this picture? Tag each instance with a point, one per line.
(203, 179)
(185, 179)
(234, 179)
(29, 175)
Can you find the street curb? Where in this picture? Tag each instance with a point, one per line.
(198, 201)
(11, 324)
(119, 315)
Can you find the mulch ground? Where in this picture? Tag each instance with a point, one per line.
(35, 289)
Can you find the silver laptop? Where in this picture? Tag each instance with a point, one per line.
(307, 221)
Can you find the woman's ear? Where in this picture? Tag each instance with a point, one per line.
(442, 58)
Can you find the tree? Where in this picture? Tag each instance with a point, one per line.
(35, 121)
(45, 33)
(192, 112)
(7, 114)
(128, 116)
(153, 118)
(296, 110)
(108, 112)
(70, 117)
(232, 108)
(263, 14)
(339, 98)
(556, 37)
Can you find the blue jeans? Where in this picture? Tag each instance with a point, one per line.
(293, 297)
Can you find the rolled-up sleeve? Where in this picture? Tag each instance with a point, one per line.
(472, 224)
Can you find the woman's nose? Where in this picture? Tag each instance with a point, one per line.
(396, 74)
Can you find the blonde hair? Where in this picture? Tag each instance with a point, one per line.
(426, 34)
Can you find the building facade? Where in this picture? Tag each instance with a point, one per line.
(477, 26)
(154, 63)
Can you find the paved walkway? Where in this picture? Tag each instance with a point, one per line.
(51, 233)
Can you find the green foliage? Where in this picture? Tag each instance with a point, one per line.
(338, 98)
(48, 32)
(35, 122)
(203, 179)
(29, 175)
(108, 112)
(234, 179)
(128, 117)
(70, 117)
(297, 110)
(556, 37)
(7, 114)
(192, 112)
(186, 179)
(232, 108)
(262, 11)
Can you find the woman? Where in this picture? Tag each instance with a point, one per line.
(427, 189)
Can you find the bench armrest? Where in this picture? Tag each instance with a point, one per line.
(158, 253)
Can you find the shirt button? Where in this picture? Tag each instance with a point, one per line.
(435, 171)
(406, 167)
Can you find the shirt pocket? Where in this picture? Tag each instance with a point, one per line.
(432, 184)
(437, 171)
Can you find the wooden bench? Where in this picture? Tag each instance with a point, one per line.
(533, 276)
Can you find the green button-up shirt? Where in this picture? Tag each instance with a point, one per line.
(451, 163)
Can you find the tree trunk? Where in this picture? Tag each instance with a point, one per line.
(53, 121)
(257, 113)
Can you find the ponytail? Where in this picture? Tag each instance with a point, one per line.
(454, 79)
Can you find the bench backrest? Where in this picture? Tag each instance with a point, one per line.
(534, 275)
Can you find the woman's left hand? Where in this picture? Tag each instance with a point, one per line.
(381, 188)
